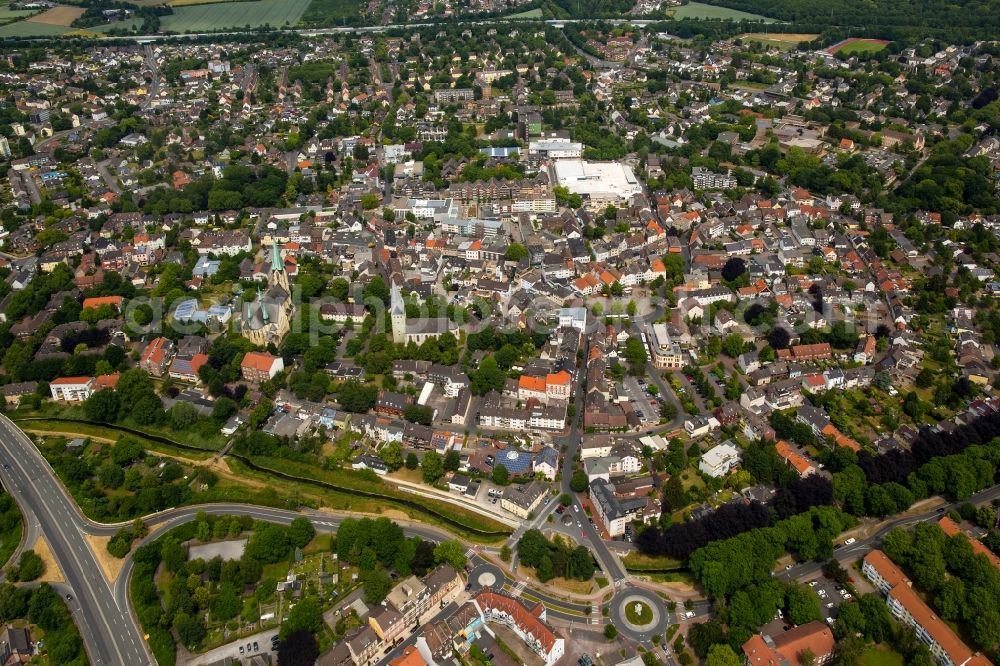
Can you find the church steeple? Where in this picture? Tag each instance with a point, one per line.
(276, 263)
(279, 276)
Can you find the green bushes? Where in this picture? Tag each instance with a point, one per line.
(30, 567)
(121, 542)
(555, 560)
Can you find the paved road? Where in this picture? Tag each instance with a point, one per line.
(108, 631)
(608, 561)
(857, 549)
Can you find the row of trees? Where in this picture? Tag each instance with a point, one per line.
(682, 539)
(957, 476)
(724, 567)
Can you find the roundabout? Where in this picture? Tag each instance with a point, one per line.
(485, 574)
(638, 613)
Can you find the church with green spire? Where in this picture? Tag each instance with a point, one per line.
(267, 319)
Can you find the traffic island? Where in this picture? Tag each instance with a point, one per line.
(638, 614)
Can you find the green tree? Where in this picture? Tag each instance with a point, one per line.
(301, 532)
(610, 632)
(500, 475)
(412, 462)
(452, 552)
(516, 252)
(392, 455)
(578, 483)
(102, 406)
(376, 584)
(722, 655)
(432, 467)
(191, 630)
(226, 604)
(307, 615)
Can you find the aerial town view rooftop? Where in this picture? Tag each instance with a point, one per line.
(513, 332)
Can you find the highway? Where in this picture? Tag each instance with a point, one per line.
(108, 631)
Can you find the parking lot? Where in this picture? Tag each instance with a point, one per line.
(830, 597)
(640, 400)
(259, 643)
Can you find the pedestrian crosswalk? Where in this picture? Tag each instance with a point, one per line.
(518, 589)
(595, 614)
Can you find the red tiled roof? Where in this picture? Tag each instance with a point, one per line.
(155, 351)
(258, 361)
(98, 301)
(526, 619)
(531, 383)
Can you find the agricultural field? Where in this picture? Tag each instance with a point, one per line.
(8, 14)
(698, 10)
(330, 12)
(188, 3)
(63, 16)
(208, 17)
(858, 46)
(782, 40)
(32, 29)
(530, 14)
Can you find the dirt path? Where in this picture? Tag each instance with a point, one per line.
(55, 433)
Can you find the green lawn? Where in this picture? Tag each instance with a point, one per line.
(640, 618)
(880, 655)
(698, 10)
(205, 18)
(862, 47)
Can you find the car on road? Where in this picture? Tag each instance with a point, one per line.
(242, 651)
(256, 648)
(848, 542)
(69, 597)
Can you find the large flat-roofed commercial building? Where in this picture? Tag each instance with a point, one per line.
(666, 354)
(602, 183)
(556, 148)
